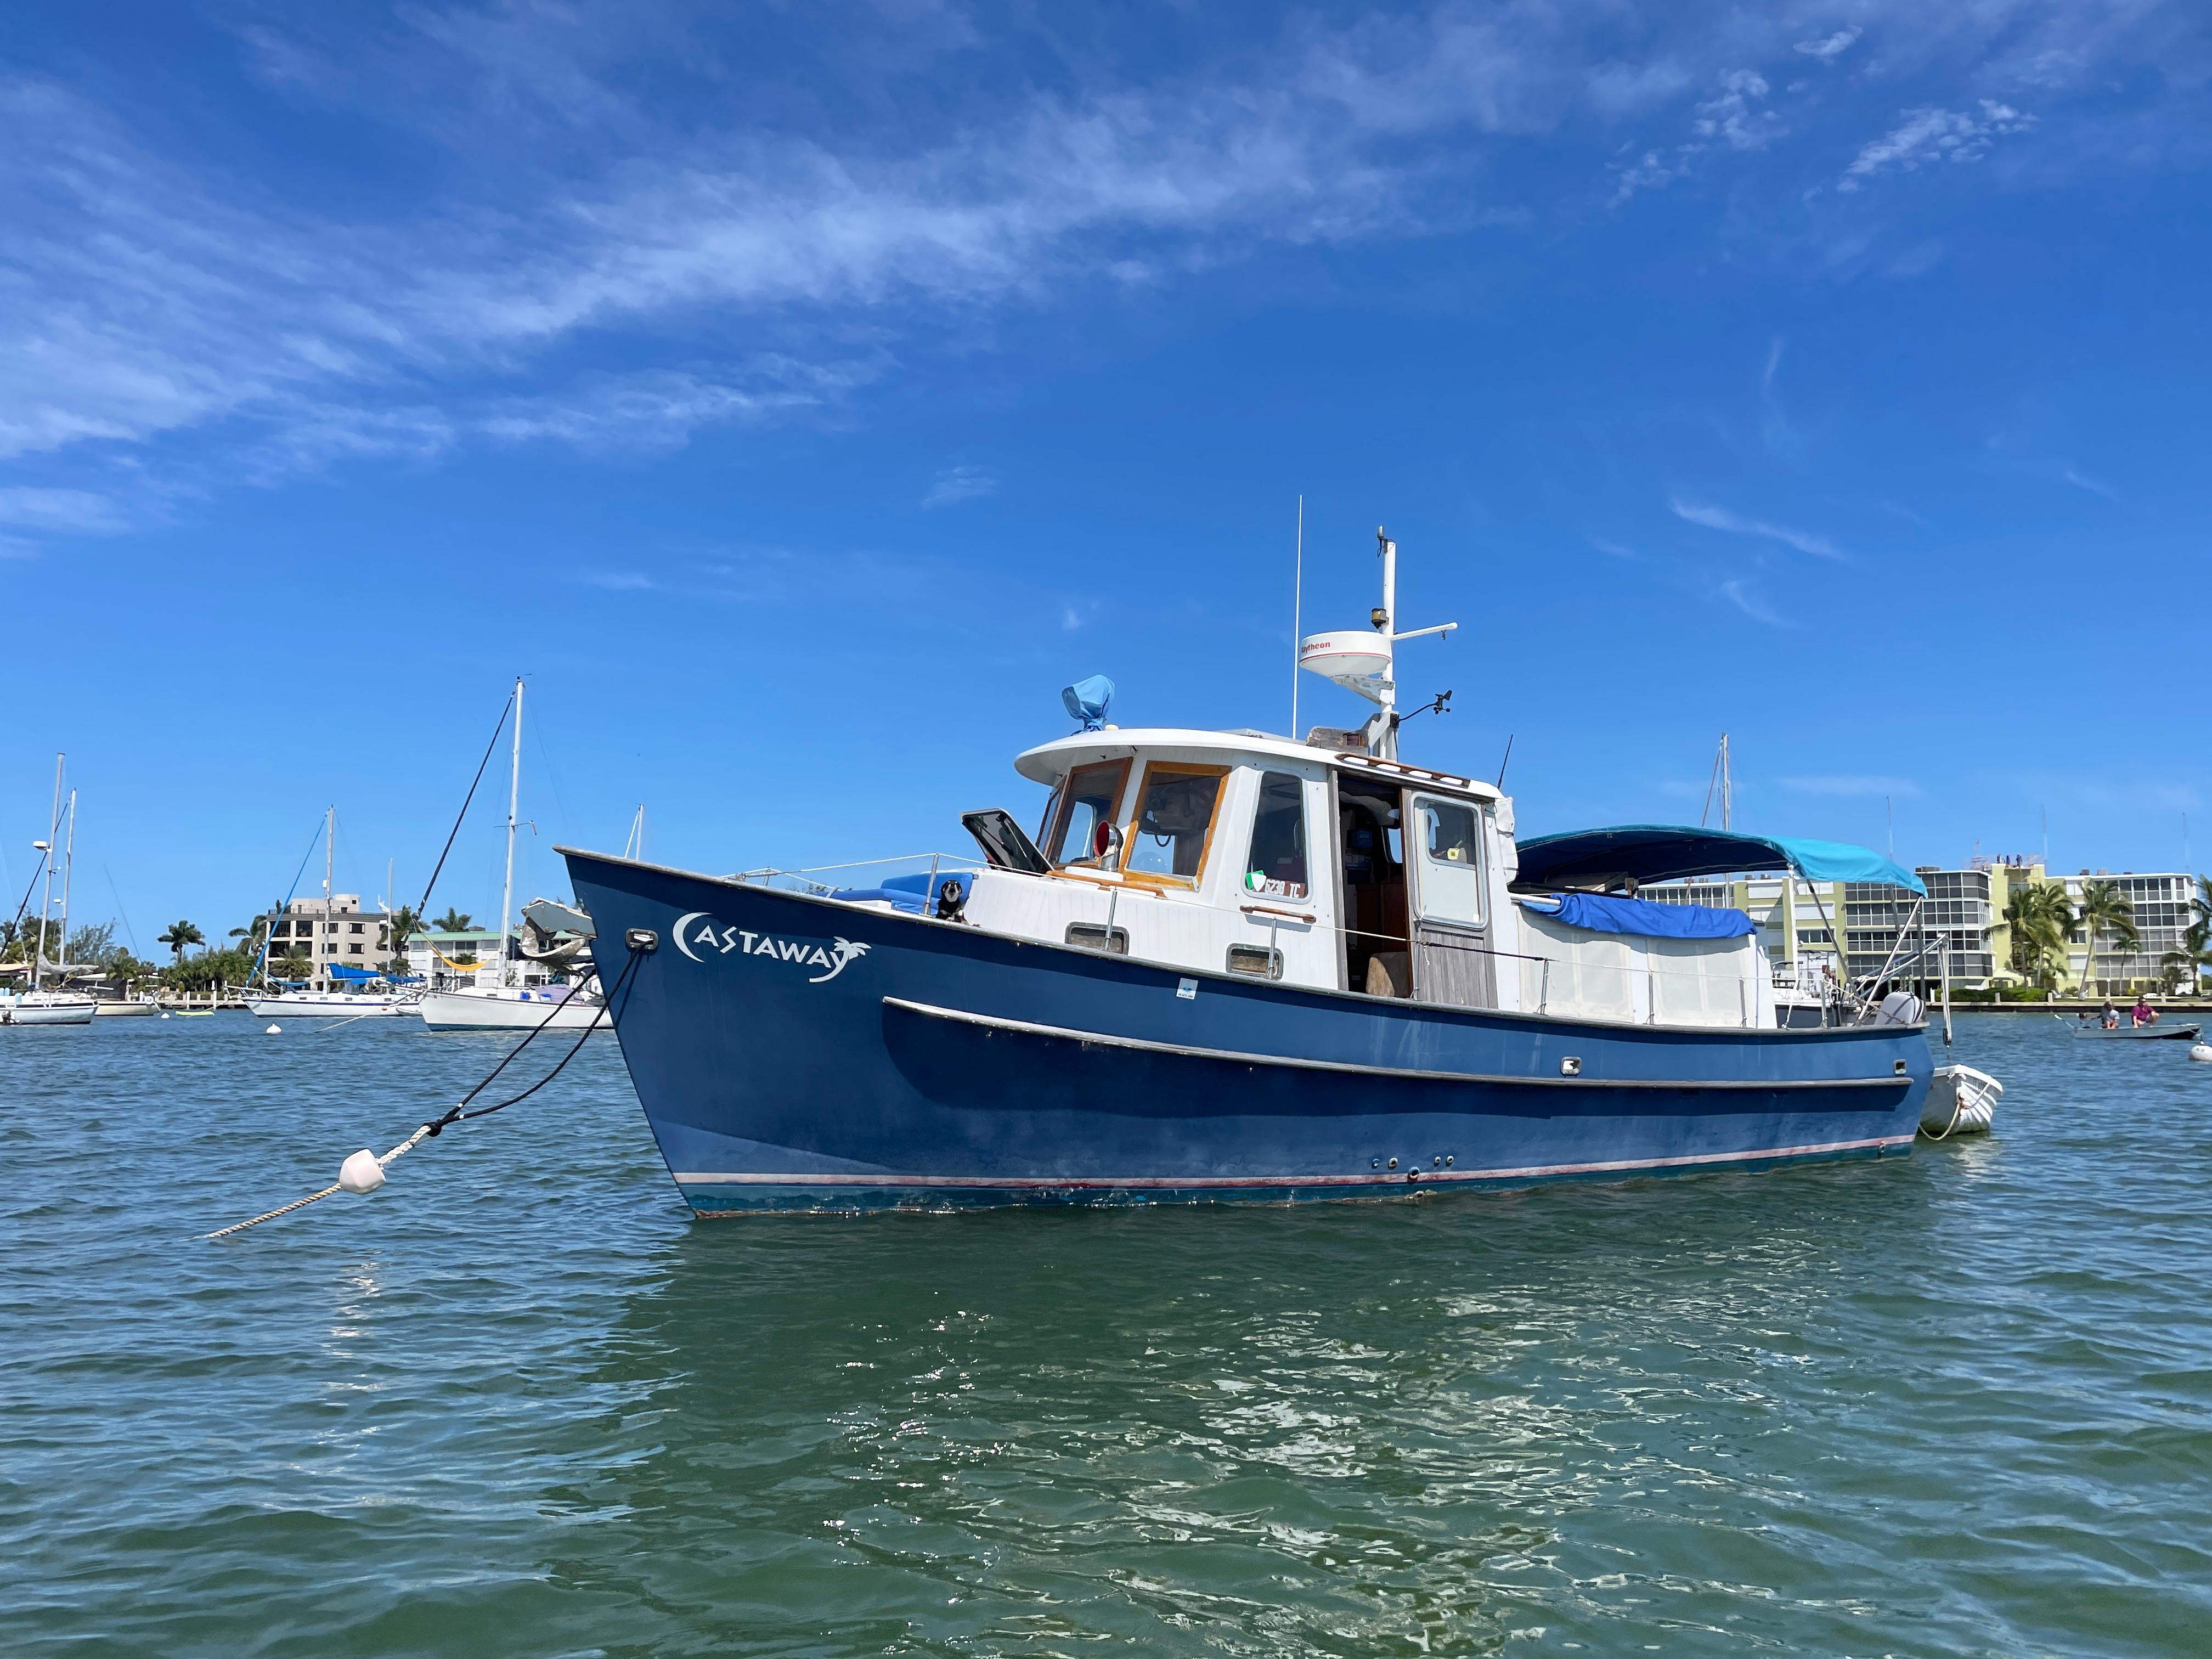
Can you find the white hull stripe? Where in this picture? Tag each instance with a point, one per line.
(1095, 1039)
(1371, 1178)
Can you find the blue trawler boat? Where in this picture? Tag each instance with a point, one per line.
(1232, 965)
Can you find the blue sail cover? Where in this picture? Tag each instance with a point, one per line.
(1667, 852)
(1641, 917)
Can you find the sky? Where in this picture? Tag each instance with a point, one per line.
(798, 396)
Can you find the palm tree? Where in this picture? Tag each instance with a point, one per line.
(180, 934)
(453, 921)
(2041, 919)
(404, 922)
(2104, 909)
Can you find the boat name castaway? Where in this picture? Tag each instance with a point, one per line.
(709, 934)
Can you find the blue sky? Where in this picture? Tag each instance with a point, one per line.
(801, 395)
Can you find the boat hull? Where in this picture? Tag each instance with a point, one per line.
(795, 1053)
(494, 1011)
(315, 1006)
(2142, 1033)
(33, 1010)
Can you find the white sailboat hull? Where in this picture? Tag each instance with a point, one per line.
(47, 1008)
(508, 1009)
(325, 1004)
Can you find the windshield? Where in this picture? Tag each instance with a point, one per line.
(1175, 816)
(1084, 808)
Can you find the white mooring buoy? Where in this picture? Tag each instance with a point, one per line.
(275, 1030)
(361, 1173)
(2201, 1051)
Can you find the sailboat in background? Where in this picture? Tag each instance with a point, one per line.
(359, 1004)
(39, 1005)
(506, 1004)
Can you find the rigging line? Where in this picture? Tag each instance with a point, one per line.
(545, 754)
(26, 904)
(422, 908)
(268, 937)
(119, 910)
(574, 1048)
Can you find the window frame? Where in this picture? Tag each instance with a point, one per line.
(1063, 806)
(1261, 775)
(1418, 861)
(1192, 883)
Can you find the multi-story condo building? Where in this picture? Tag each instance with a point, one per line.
(1890, 928)
(333, 932)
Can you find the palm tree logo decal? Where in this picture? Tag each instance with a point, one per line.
(842, 952)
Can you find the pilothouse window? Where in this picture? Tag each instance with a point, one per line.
(1083, 809)
(1175, 817)
(1277, 865)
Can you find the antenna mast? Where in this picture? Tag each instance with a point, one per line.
(1297, 593)
(514, 801)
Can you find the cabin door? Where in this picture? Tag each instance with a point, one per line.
(1453, 962)
(1371, 894)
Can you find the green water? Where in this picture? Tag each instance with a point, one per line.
(518, 1403)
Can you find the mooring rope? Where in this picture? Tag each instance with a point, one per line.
(359, 1177)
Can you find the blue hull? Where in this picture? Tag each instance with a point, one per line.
(797, 1054)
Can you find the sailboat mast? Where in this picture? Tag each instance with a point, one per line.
(513, 802)
(330, 853)
(46, 890)
(1727, 787)
(69, 865)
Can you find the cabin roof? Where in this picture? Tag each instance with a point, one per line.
(1049, 762)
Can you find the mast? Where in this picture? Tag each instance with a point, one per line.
(1727, 787)
(330, 851)
(68, 864)
(514, 800)
(46, 890)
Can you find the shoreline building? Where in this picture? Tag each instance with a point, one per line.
(447, 962)
(333, 932)
(1798, 922)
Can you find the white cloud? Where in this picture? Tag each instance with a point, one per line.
(1927, 136)
(79, 511)
(1851, 785)
(961, 484)
(1731, 117)
(745, 257)
(1734, 593)
(1834, 46)
(1719, 517)
(2081, 480)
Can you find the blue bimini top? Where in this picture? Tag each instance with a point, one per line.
(1666, 852)
(1601, 914)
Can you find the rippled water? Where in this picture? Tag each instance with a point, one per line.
(518, 1403)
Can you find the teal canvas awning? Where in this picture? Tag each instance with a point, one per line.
(1645, 853)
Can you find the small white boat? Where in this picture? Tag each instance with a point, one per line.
(48, 1008)
(330, 1005)
(110, 1007)
(1961, 1101)
(512, 1008)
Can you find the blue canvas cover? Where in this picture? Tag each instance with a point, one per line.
(1642, 918)
(1670, 851)
(341, 971)
(905, 892)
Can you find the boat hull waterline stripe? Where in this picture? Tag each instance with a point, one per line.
(1232, 1057)
(1370, 1178)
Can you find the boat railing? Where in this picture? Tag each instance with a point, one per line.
(809, 879)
